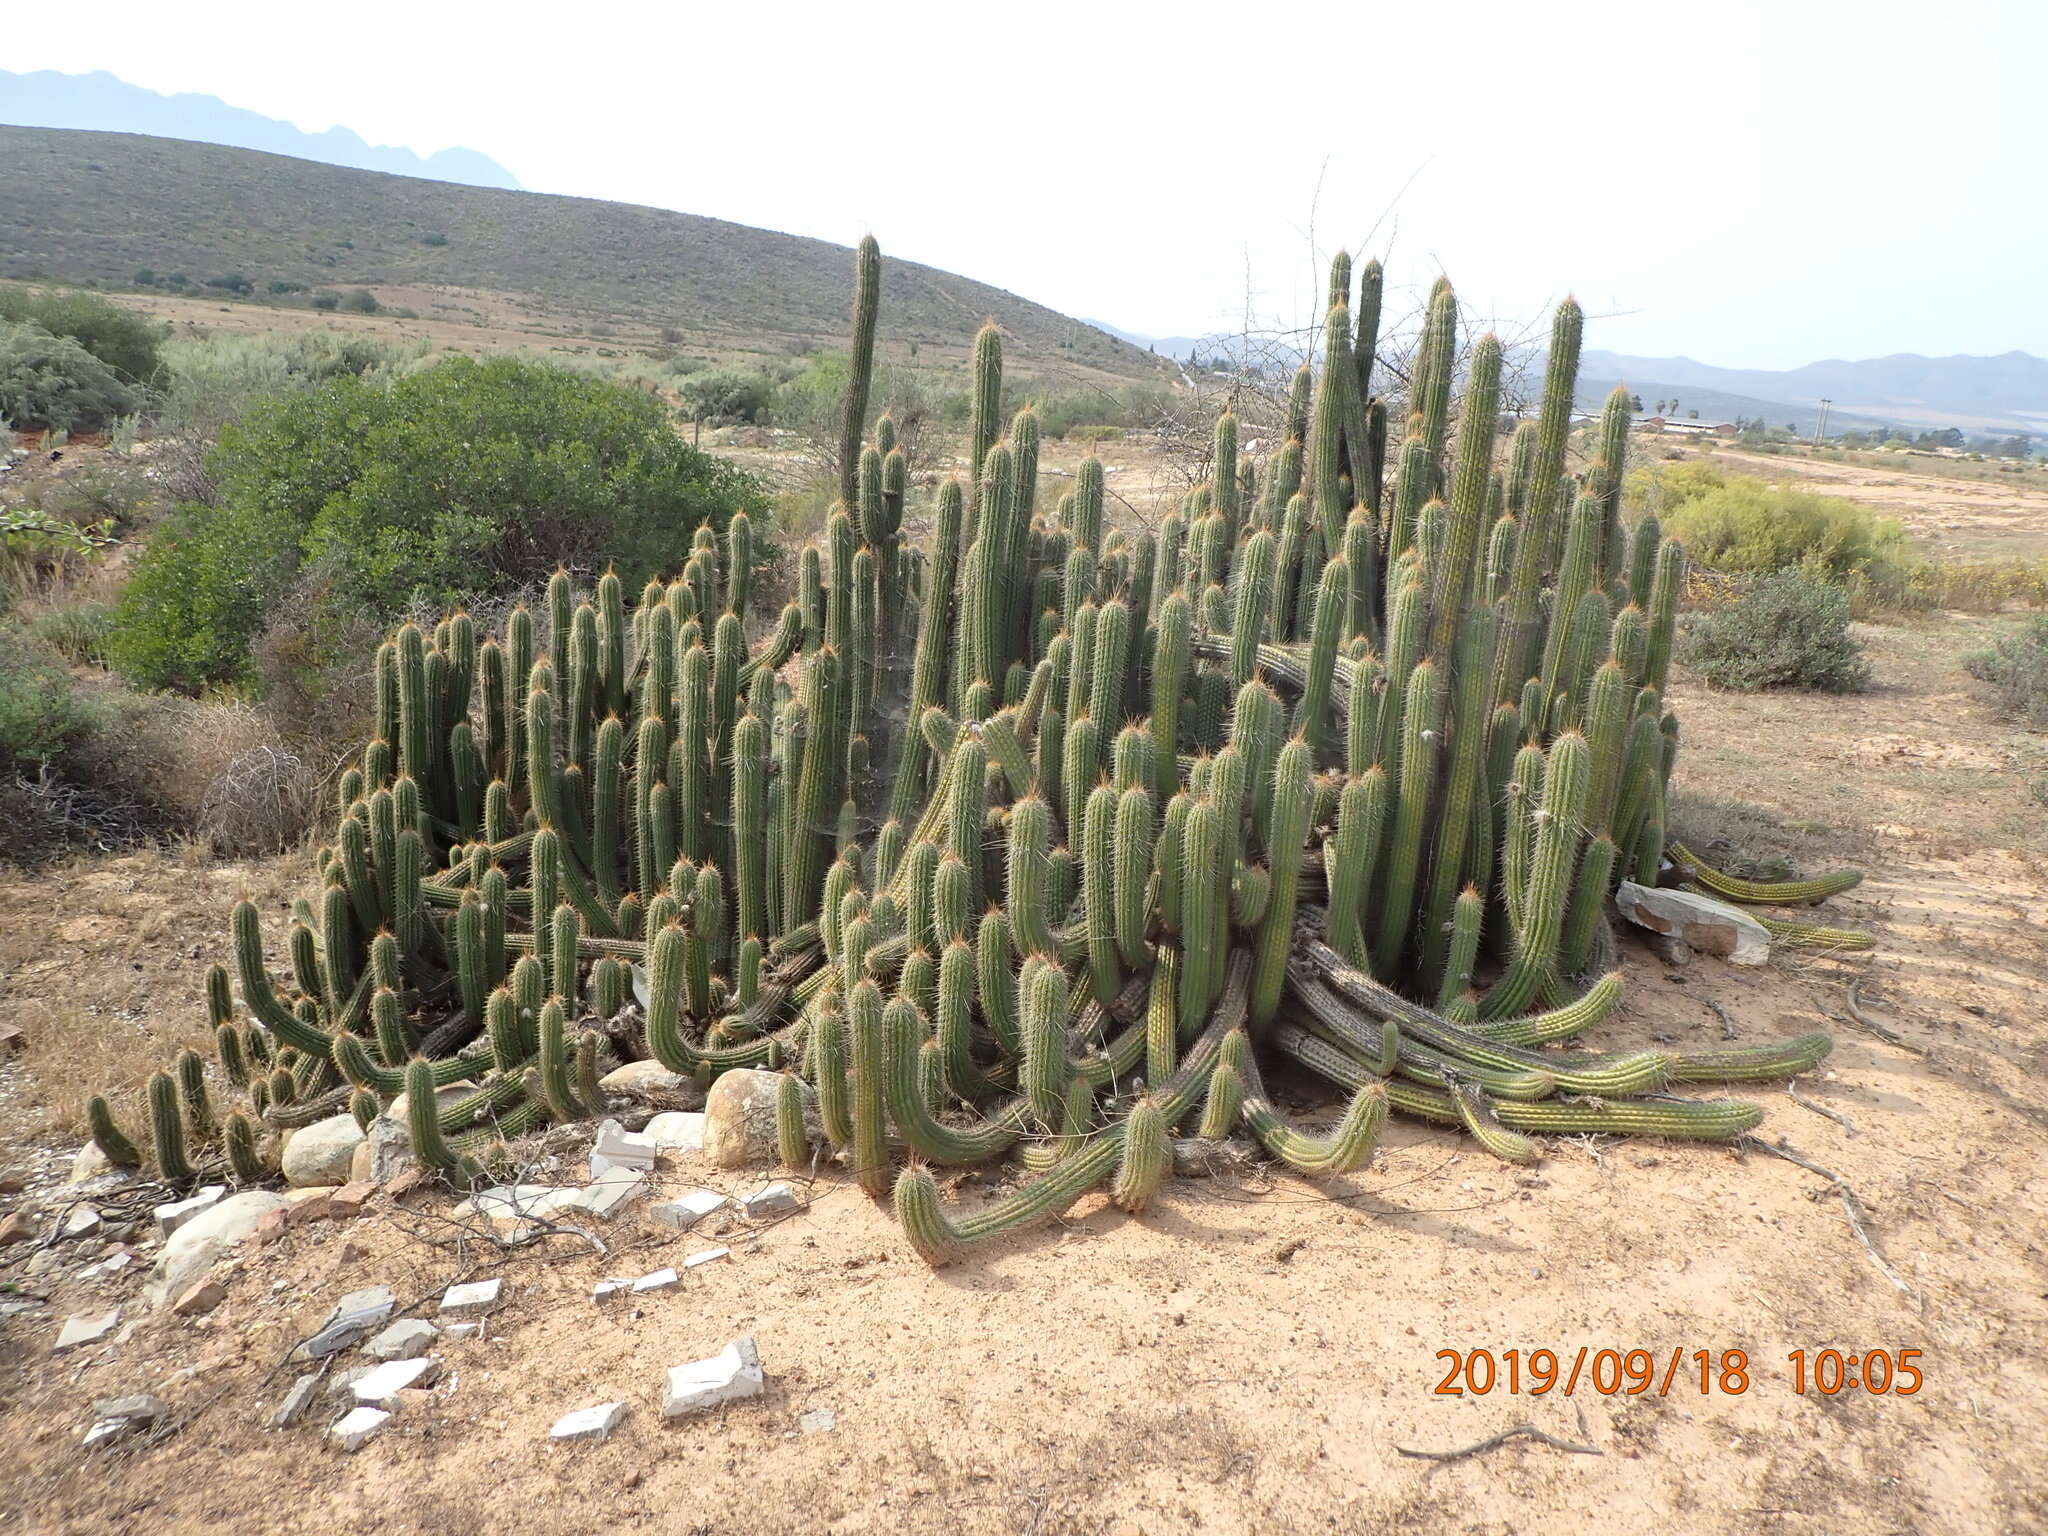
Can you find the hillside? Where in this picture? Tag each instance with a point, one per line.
(1972, 392)
(44, 98)
(96, 207)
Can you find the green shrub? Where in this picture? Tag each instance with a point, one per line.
(1789, 630)
(360, 301)
(1741, 523)
(2016, 664)
(464, 478)
(40, 713)
(128, 343)
(325, 300)
(52, 382)
(721, 395)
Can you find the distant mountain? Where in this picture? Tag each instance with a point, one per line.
(1971, 392)
(1718, 405)
(47, 99)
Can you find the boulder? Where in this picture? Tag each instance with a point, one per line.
(651, 1083)
(192, 1249)
(739, 1119)
(1709, 926)
(321, 1153)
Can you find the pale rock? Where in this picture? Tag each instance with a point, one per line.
(460, 1331)
(381, 1387)
(82, 1222)
(192, 1249)
(605, 1290)
(296, 1401)
(596, 1423)
(321, 1153)
(706, 1256)
(739, 1119)
(355, 1430)
(652, 1082)
(445, 1097)
(676, 1131)
(616, 1147)
(89, 1164)
(383, 1154)
(1710, 926)
(406, 1339)
(777, 1199)
(136, 1407)
(472, 1300)
(520, 1202)
(106, 1432)
(200, 1298)
(173, 1216)
(78, 1332)
(733, 1373)
(690, 1209)
(659, 1280)
(817, 1421)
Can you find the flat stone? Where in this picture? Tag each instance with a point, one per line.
(380, 1388)
(173, 1216)
(612, 1191)
(140, 1407)
(112, 1264)
(706, 1256)
(472, 1300)
(192, 1249)
(1709, 926)
(356, 1429)
(78, 1332)
(200, 1298)
(777, 1199)
(469, 1330)
(686, 1212)
(16, 1228)
(342, 1383)
(406, 1339)
(658, 1280)
(731, 1374)
(296, 1401)
(82, 1222)
(595, 1423)
(676, 1131)
(739, 1119)
(354, 1318)
(817, 1421)
(321, 1153)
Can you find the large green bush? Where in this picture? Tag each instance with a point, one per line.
(126, 342)
(461, 479)
(2016, 664)
(51, 381)
(1789, 630)
(1741, 523)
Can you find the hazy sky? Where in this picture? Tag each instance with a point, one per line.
(1751, 184)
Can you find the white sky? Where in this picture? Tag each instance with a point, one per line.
(1750, 184)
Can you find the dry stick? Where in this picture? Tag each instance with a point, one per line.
(1849, 1206)
(1820, 1109)
(1529, 1431)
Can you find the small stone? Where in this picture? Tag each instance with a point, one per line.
(381, 1387)
(355, 1430)
(817, 1421)
(472, 1330)
(612, 1191)
(342, 1383)
(706, 1256)
(733, 1373)
(355, 1316)
(777, 1199)
(15, 1228)
(739, 1119)
(472, 1300)
(588, 1423)
(78, 1332)
(322, 1152)
(173, 1216)
(1710, 926)
(685, 1213)
(659, 1280)
(200, 1299)
(82, 1222)
(137, 1407)
(520, 1202)
(296, 1401)
(106, 1432)
(605, 1290)
(676, 1131)
(406, 1339)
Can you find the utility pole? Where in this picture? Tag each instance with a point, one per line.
(1820, 426)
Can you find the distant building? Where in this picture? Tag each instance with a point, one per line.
(1683, 428)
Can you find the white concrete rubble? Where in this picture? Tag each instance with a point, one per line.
(406, 1339)
(473, 1299)
(733, 1373)
(686, 1211)
(596, 1423)
(355, 1430)
(777, 1199)
(380, 1388)
(659, 1280)
(355, 1316)
(705, 1256)
(78, 1332)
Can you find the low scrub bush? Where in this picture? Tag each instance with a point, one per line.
(128, 343)
(2016, 664)
(40, 713)
(52, 382)
(1741, 523)
(1790, 629)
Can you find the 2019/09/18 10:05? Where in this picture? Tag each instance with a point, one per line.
(1635, 1372)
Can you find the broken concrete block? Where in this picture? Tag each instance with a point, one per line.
(686, 1212)
(296, 1401)
(380, 1388)
(406, 1339)
(472, 1300)
(777, 1199)
(588, 1423)
(320, 1154)
(106, 1432)
(459, 1331)
(355, 1430)
(520, 1202)
(173, 1216)
(676, 1131)
(659, 1280)
(617, 1147)
(817, 1421)
(733, 1373)
(707, 1256)
(612, 1191)
(1710, 926)
(605, 1290)
(200, 1299)
(355, 1316)
(78, 1332)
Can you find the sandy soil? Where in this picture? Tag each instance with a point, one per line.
(1253, 1353)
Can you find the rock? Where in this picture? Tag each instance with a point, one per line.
(296, 1401)
(616, 1147)
(1710, 926)
(16, 1228)
(380, 1388)
(89, 1164)
(322, 1152)
(612, 1191)
(342, 1383)
(685, 1213)
(355, 1317)
(200, 1298)
(706, 1256)
(112, 1264)
(82, 1222)
(588, 1423)
(383, 1154)
(78, 1332)
(651, 1082)
(355, 1430)
(676, 1131)
(659, 1280)
(445, 1097)
(406, 1339)
(472, 1300)
(173, 1216)
(136, 1407)
(817, 1421)
(777, 1199)
(1671, 949)
(191, 1250)
(459, 1331)
(739, 1119)
(733, 1373)
(106, 1432)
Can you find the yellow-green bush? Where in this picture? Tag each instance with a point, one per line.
(1741, 523)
